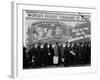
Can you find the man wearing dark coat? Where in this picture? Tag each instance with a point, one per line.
(24, 58)
(59, 54)
(89, 53)
(62, 54)
(38, 56)
(45, 55)
(42, 56)
(29, 58)
(72, 54)
(50, 55)
(81, 53)
(56, 55)
(67, 55)
(76, 56)
(33, 54)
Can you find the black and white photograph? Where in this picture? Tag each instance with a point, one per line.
(54, 39)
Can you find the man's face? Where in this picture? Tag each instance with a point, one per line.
(59, 44)
(64, 45)
(35, 45)
(53, 45)
(48, 45)
(82, 45)
(42, 46)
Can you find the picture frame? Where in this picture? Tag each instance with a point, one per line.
(26, 14)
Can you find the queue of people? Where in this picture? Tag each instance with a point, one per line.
(58, 54)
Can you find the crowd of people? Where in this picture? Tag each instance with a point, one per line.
(58, 54)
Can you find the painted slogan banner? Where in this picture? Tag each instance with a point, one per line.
(55, 26)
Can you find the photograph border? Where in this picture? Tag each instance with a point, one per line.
(15, 71)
